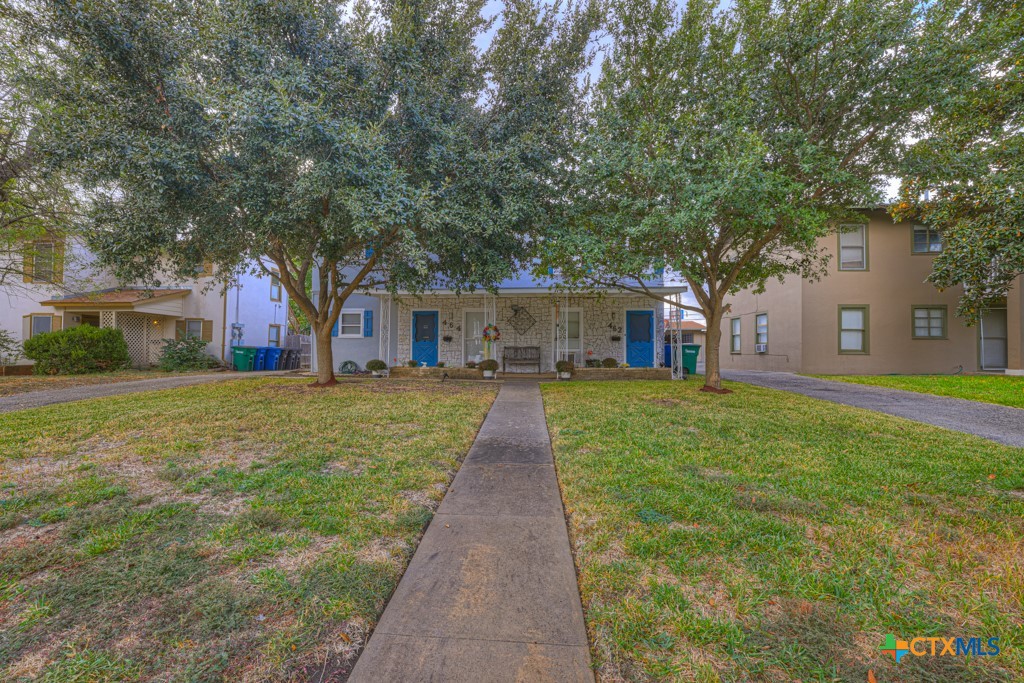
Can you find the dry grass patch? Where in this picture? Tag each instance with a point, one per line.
(244, 531)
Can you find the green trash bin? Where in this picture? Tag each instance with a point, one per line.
(690, 353)
(243, 357)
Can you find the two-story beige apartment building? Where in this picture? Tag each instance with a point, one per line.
(875, 313)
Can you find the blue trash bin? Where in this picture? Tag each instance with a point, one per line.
(261, 358)
(272, 359)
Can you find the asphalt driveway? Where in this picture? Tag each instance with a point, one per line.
(998, 423)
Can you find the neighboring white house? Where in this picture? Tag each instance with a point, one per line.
(440, 326)
(60, 287)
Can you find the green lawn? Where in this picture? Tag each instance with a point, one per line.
(1001, 389)
(237, 531)
(768, 536)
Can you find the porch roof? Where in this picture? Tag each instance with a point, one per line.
(116, 299)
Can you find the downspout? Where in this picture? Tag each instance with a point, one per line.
(224, 326)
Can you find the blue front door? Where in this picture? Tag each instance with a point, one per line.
(640, 339)
(424, 337)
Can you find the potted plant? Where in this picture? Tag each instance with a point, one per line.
(376, 367)
(564, 368)
(412, 364)
(489, 366)
(471, 364)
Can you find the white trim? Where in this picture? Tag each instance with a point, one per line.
(554, 334)
(362, 318)
(462, 342)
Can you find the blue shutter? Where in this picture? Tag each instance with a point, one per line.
(367, 323)
(369, 252)
(334, 330)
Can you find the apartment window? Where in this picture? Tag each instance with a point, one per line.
(735, 340)
(929, 322)
(761, 328)
(926, 240)
(205, 269)
(274, 336)
(350, 323)
(193, 329)
(687, 338)
(853, 329)
(41, 324)
(853, 247)
(275, 286)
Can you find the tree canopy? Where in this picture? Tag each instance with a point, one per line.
(724, 143)
(373, 141)
(964, 176)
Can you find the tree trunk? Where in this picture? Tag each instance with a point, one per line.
(324, 357)
(712, 363)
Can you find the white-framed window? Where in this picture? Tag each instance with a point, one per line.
(761, 328)
(41, 324)
(274, 336)
(853, 329)
(193, 329)
(686, 338)
(926, 240)
(929, 322)
(275, 286)
(350, 323)
(44, 257)
(735, 342)
(853, 247)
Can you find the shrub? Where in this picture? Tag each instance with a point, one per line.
(78, 350)
(471, 364)
(440, 363)
(376, 365)
(180, 355)
(565, 366)
(609, 363)
(490, 364)
(411, 363)
(10, 348)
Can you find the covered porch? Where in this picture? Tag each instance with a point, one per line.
(449, 328)
(145, 317)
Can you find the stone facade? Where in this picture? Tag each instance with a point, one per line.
(603, 317)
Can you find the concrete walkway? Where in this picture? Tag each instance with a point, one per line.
(491, 592)
(998, 423)
(36, 399)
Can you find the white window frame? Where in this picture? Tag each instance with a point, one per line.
(759, 336)
(341, 327)
(864, 329)
(575, 355)
(735, 335)
(32, 323)
(189, 322)
(846, 229)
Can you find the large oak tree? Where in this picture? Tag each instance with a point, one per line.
(373, 142)
(724, 143)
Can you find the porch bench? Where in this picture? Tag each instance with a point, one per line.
(520, 355)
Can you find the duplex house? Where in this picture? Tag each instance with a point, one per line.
(875, 313)
(527, 312)
(61, 287)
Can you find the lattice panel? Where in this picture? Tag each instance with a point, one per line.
(106, 318)
(133, 326)
(154, 330)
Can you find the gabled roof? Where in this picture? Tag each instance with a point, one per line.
(116, 298)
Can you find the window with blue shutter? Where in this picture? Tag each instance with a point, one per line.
(367, 323)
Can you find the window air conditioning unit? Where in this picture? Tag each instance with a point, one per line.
(760, 348)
